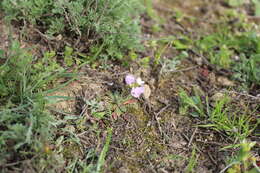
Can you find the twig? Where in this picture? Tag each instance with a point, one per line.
(185, 69)
(83, 110)
(184, 137)
(212, 159)
(158, 124)
(192, 136)
(162, 110)
(212, 143)
(83, 141)
(156, 117)
(244, 94)
(228, 166)
(18, 162)
(81, 134)
(118, 74)
(43, 35)
(152, 167)
(12, 164)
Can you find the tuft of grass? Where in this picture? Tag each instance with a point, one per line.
(25, 123)
(219, 116)
(103, 153)
(192, 162)
(234, 124)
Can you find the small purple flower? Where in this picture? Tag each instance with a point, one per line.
(130, 79)
(137, 91)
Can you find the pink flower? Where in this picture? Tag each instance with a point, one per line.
(137, 91)
(130, 79)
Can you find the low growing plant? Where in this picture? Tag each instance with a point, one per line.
(25, 123)
(239, 53)
(219, 116)
(244, 161)
(111, 23)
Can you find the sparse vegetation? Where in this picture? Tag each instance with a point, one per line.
(239, 53)
(25, 124)
(112, 25)
(236, 124)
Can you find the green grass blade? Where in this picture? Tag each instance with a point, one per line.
(102, 156)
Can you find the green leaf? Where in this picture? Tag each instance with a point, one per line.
(2, 53)
(99, 115)
(181, 44)
(257, 8)
(68, 58)
(235, 3)
(101, 159)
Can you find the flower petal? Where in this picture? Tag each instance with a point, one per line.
(137, 91)
(130, 79)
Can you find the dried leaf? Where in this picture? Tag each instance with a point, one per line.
(131, 101)
(147, 92)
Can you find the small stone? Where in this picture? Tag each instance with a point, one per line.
(225, 81)
(199, 61)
